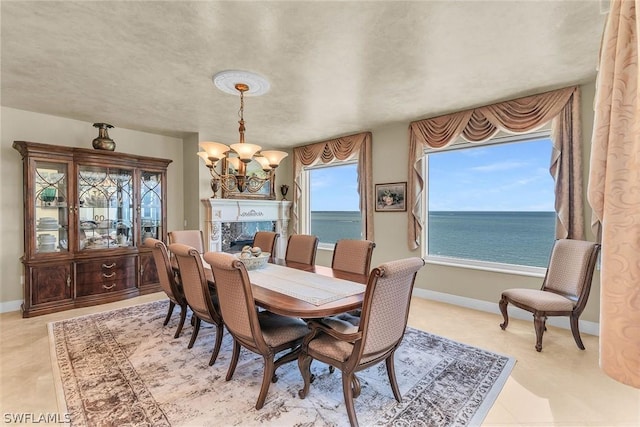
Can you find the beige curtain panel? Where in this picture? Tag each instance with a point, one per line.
(515, 117)
(344, 148)
(614, 193)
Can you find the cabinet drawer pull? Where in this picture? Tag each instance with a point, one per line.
(108, 276)
(109, 287)
(68, 280)
(109, 266)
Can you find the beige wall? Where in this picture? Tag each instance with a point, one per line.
(390, 157)
(27, 126)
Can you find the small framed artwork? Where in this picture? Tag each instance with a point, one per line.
(391, 197)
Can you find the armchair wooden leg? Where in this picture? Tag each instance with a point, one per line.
(234, 360)
(194, 334)
(539, 323)
(304, 364)
(183, 317)
(171, 307)
(391, 372)
(348, 398)
(503, 308)
(269, 369)
(576, 332)
(216, 349)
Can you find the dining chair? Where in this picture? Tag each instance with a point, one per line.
(565, 288)
(264, 333)
(385, 310)
(301, 248)
(202, 302)
(193, 238)
(168, 281)
(353, 256)
(266, 240)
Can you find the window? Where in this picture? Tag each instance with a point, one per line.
(491, 203)
(334, 202)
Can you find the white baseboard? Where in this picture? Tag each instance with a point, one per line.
(587, 327)
(8, 306)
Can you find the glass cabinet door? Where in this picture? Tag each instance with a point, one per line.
(105, 207)
(151, 205)
(51, 207)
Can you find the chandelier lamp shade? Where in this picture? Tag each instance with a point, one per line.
(233, 175)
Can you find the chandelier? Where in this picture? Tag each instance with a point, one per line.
(233, 177)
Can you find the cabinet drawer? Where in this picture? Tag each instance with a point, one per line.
(104, 286)
(106, 265)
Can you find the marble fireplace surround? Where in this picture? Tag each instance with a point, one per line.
(221, 211)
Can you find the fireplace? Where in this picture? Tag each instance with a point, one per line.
(231, 223)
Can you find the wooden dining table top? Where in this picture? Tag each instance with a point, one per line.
(286, 305)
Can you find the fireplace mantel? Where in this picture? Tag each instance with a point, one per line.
(219, 211)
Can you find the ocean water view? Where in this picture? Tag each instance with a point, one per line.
(521, 238)
(331, 226)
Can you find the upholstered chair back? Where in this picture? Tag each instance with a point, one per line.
(165, 272)
(193, 238)
(353, 256)
(386, 305)
(266, 240)
(302, 248)
(194, 282)
(568, 268)
(236, 299)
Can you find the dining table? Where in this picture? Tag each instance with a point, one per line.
(301, 290)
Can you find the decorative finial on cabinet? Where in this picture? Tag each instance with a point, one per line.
(103, 142)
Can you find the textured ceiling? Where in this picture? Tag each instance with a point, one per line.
(335, 68)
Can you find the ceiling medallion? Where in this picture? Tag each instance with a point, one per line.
(227, 80)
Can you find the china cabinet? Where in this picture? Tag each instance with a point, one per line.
(86, 214)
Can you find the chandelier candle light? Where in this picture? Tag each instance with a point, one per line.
(240, 154)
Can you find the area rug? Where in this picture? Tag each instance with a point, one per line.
(123, 367)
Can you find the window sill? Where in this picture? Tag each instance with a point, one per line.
(520, 270)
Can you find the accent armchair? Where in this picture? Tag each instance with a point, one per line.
(565, 289)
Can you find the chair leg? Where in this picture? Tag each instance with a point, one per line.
(234, 360)
(183, 317)
(348, 398)
(503, 308)
(216, 349)
(391, 372)
(576, 332)
(194, 334)
(269, 369)
(539, 323)
(304, 364)
(171, 307)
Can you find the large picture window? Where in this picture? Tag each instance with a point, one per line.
(491, 203)
(334, 211)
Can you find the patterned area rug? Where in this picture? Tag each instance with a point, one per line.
(123, 367)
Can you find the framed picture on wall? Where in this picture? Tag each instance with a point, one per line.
(391, 197)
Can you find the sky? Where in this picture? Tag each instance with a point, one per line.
(335, 189)
(501, 177)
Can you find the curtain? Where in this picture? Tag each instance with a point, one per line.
(515, 117)
(344, 148)
(614, 193)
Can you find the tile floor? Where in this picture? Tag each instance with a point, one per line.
(561, 386)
